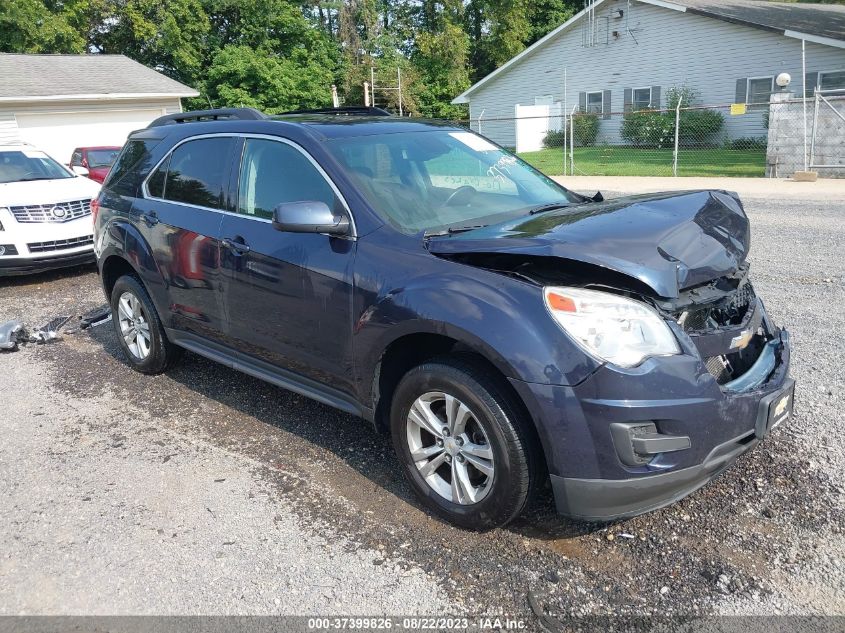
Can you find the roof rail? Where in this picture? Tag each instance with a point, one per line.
(220, 114)
(344, 111)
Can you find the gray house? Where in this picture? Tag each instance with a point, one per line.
(621, 55)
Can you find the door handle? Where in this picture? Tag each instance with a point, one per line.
(150, 218)
(236, 245)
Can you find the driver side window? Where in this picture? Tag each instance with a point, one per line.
(273, 172)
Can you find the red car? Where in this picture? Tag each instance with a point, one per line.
(96, 160)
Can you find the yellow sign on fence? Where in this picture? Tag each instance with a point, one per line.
(737, 109)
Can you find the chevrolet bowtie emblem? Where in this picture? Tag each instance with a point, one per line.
(742, 339)
(781, 406)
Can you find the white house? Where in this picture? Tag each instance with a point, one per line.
(60, 102)
(621, 55)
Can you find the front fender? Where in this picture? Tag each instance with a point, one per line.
(501, 318)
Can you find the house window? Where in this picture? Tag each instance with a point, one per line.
(759, 90)
(641, 98)
(834, 80)
(595, 103)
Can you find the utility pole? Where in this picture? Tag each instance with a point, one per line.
(367, 94)
(399, 78)
(373, 85)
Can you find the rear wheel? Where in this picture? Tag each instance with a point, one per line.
(139, 329)
(463, 443)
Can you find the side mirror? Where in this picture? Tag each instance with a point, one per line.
(80, 171)
(309, 216)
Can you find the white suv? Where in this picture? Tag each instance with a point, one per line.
(45, 212)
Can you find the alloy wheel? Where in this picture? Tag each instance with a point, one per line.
(134, 325)
(450, 448)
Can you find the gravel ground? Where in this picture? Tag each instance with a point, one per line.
(206, 491)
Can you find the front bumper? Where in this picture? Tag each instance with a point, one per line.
(677, 395)
(38, 246)
(10, 266)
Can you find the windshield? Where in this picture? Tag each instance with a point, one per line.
(101, 157)
(22, 165)
(443, 179)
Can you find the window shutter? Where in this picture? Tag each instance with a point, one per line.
(812, 81)
(628, 100)
(655, 97)
(582, 101)
(741, 90)
(605, 104)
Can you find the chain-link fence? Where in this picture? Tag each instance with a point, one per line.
(757, 140)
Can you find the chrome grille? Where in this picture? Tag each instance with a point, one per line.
(58, 245)
(52, 212)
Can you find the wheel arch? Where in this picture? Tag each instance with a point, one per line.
(112, 269)
(412, 349)
(125, 251)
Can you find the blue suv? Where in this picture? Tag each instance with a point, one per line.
(506, 331)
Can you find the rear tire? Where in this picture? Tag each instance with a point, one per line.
(138, 328)
(479, 470)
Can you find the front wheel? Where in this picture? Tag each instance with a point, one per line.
(464, 443)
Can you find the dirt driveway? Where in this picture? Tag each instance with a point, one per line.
(206, 491)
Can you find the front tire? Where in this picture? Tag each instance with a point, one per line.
(138, 328)
(464, 443)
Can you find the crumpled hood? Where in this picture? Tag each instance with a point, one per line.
(669, 241)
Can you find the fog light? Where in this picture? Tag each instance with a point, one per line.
(637, 443)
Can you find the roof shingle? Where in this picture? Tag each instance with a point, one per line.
(76, 75)
(823, 20)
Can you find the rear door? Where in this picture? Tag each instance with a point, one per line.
(288, 295)
(180, 217)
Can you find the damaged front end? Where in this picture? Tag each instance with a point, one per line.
(728, 325)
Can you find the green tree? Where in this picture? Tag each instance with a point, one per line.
(168, 35)
(442, 60)
(546, 15)
(37, 26)
(501, 29)
(241, 76)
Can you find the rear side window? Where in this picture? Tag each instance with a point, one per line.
(197, 172)
(131, 167)
(155, 185)
(274, 172)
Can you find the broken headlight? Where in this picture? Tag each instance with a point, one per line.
(612, 328)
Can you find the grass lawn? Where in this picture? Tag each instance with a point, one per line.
(632, 161)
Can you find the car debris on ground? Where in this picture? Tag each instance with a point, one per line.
(9, 333)
(95, 317)
(14, 332)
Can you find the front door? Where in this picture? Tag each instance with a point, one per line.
(288, 295)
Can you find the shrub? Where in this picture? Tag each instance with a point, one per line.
(648, 128)
(753, 143)
(699, 127)
(554, 138)
(651, 128)
(585, 128)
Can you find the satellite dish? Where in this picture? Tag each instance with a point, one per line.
(783, 80)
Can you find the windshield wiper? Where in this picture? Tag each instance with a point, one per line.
(550, 206)
(36, 178)
(453, 230)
